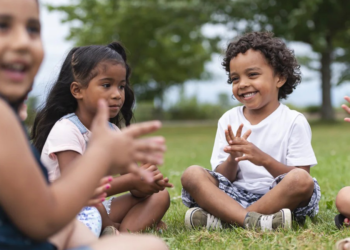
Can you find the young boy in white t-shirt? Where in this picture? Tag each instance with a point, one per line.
(261, 175)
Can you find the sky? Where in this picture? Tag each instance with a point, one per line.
(56, 47)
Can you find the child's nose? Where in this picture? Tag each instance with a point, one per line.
(21, 39)
(116, 94)
(244, 83)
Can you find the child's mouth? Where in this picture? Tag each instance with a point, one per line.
(114, 107)
(15, 72)
(249, 95)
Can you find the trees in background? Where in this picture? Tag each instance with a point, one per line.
(167, 47)
(163, 38)
(323, 24)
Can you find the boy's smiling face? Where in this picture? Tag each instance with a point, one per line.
(254, 82)
(21, 49)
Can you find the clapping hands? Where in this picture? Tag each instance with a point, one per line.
(158, 183)
(240, 149)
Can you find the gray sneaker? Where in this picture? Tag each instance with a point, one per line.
(197, 217)
(281, 219)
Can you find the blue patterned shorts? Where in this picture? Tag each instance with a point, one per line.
(246, 198)
(91, 217)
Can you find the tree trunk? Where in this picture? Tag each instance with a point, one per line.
(327, 112)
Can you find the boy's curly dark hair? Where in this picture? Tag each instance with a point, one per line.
(281, 59)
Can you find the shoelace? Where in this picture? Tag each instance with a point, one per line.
(266, 222)
(213, 222)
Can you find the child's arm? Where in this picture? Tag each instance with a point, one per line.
(121, 184)
(65, 160)
(40, 210)
(229, 167)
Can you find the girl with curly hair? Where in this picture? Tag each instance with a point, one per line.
(261, 174)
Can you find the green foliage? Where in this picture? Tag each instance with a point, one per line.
(308, 21)
(312, 109)
(184, 109)
(224, 100)
(191, 109)
(31, 110)
(146, 111)
(323, 24)
(163, 38)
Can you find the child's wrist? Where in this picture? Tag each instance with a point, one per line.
(133, 179)
(232, 159)
(266, 162)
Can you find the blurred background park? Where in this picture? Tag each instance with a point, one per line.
(175, 48)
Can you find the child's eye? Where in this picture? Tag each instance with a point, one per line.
(253, 74)
(106, 85)
(4, 26)
(234, 79)
(121, 87)
(33, 30)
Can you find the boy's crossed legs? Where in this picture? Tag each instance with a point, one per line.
(295, 190)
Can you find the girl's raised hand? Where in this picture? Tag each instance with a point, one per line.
(346, 108)
(122, 149)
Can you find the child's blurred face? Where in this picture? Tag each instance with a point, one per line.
(21, 49)
(254, 82)
(108, 84)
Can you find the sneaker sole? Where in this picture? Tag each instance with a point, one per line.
(188, 217)
(287, 218)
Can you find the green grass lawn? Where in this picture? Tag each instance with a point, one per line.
(193, 145)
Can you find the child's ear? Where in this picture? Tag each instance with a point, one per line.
(76, 90)
(281, 80)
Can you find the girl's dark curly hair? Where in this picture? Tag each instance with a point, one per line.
(279, 57)
(80, 65)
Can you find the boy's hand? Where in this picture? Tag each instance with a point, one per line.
(346, 108)
(249, 152)
(232, 139)
(240, 149)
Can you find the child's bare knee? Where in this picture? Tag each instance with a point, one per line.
(342, 201)
(190, 176)
(301, 181)
(164, 199)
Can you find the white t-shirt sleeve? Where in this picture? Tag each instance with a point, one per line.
(300, 152)
(219, 156)
(65, 136)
